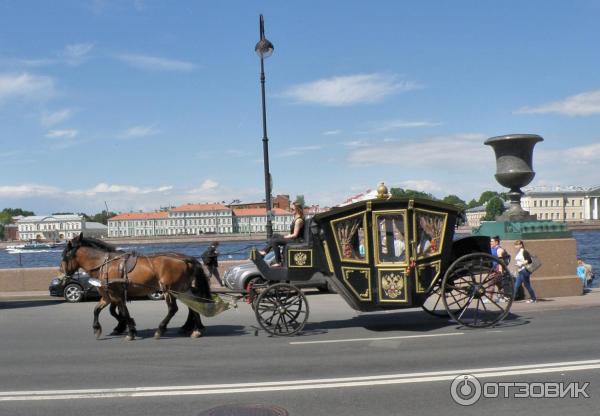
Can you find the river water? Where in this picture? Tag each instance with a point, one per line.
(588, 248)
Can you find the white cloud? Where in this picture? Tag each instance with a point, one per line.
(62, 134)
(439, 152)
(29, 190)
(584, 104)
(423, 185)
(25, 86)
(137, 132)
(402, 124)
(331, 132)
(77, 53)
(104, 188)
(50, 119)
(207, 185)
(293, 151)
(154, 63)
(349, 90)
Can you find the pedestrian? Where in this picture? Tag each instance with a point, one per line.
(584, 272)
(497, 250)
(522, 259)
(210, 259)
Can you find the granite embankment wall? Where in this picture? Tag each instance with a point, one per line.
(38, 278)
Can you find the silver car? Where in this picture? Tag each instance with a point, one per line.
(238, 277)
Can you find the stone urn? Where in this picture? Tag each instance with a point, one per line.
(514, 170)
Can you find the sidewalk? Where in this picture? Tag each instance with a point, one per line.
(589, 300)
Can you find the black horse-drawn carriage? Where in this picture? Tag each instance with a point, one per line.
(387, 253)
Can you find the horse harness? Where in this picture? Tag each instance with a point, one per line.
(127, 262)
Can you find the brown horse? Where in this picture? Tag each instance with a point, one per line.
(160, 271)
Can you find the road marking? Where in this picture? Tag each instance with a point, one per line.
(333, 341)
(365, 381)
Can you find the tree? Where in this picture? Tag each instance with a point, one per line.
(101, 217)
(486, 196)
(411, 193)
(300, 200)
(493, 208)
(454, 200)
(472, 203)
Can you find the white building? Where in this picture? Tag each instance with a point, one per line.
(200, 218)
(563, 204)
(254, 220)
(136, 224)
(57, 227)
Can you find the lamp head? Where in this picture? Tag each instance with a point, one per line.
(264, 48)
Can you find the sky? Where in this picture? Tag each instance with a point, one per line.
(142, 104)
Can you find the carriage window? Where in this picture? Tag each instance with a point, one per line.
(391, 238)
(351, 237)
(430, 232)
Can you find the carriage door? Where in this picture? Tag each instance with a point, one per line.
(428, 238)
(391, 260)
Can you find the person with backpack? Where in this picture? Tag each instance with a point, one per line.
(522, 259)
(211, 261)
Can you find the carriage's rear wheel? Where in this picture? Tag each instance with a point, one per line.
(281, 309)
(475, 293)
(434, 304)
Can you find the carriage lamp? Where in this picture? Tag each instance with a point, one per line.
(264, 48)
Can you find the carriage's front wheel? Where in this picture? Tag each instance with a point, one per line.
(475, 292)
(281, 309)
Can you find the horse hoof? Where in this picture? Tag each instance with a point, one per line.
(157, 335)
(130, 337)
(97, 333)
(197, 334)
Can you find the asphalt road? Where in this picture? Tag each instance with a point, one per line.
(344, 363)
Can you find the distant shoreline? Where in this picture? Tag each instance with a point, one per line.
(204, 238)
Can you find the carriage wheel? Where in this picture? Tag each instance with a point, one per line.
(434, 304)
(475, 294)
(281, 309)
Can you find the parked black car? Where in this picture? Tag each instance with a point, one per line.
(77, 288)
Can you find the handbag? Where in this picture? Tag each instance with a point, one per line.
(534, 265)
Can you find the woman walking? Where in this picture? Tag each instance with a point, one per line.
(522, 259)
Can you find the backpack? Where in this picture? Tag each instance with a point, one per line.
(506, 258)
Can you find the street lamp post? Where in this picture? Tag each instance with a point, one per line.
(264, 49)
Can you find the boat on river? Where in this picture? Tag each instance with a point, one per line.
(37, 245)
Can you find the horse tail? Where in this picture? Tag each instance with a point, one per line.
(202, 282)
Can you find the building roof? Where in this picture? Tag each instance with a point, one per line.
(256, 212)
(59, 217)
(200, 207)
(140, 216)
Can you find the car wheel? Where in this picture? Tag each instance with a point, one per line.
(254, 281)
(158, 295)
(73, 293)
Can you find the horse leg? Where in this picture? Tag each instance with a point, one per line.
(172, 306)
(102, 303)
(199, 329)
(130, 322)
(189, 324)
(122, 325)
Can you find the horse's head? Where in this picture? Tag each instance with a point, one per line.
(68, 263)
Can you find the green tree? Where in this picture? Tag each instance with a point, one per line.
(454, 200)
(102, 217)
(411, 193)
(493, 208)
(7, 214)
(473, 203)
(487, 196)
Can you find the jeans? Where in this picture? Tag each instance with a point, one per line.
(276, 243)
(523, 278)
